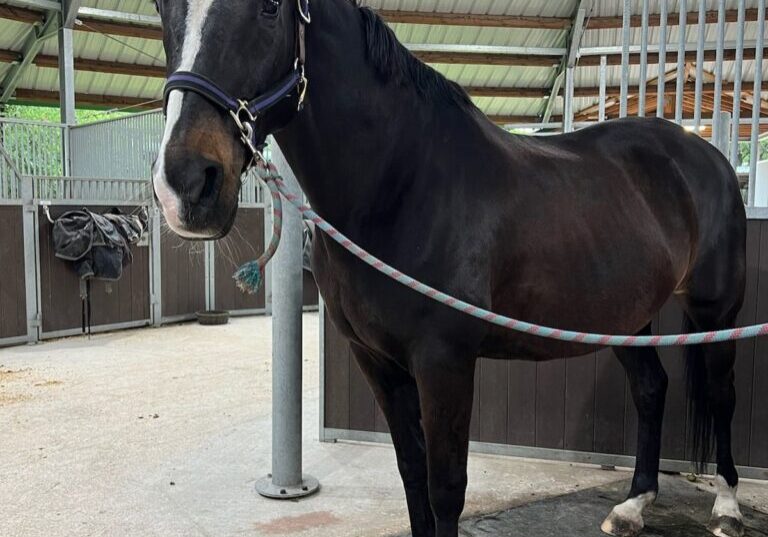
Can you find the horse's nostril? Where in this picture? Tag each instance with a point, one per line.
(212, 174)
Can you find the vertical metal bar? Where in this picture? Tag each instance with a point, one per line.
(737, 77)
(702, 29)
(66, 91)
(724, 133)
(719, 70)
(625, 38)
(754, 152)
(680, 88)
(286, 480)
(662, 79)
(603, 83)
(568, 100)
(31, 283)
(643, 61)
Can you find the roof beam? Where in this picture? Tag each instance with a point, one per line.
(569, 59)
(69, 9)
(31, 96)
(158, 71)
(469, 19)
(33, 42)
(131, 25)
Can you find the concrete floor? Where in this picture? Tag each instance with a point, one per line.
(163, 432)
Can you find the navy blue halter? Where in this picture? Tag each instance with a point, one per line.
(244, 111)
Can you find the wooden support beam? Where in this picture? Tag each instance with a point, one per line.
(467, 19)
(731, 15)
(147, 31)
(473, 58)
(20, 14)
(31, 96)
(653, 57)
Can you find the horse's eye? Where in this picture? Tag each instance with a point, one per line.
(271, 7)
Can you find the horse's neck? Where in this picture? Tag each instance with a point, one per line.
(350, 147)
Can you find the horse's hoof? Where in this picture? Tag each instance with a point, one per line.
(726, 526)
(622, 526)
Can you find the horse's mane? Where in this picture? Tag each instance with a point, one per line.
(394, 62)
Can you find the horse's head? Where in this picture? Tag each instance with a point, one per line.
(243, 47)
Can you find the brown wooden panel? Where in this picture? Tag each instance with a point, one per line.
(311, 294)
(182, 275)
(126, 300)
(493, 393)
(745, 350)
(337, 380)
(585, 403)
(673, 435)
(758, 448)
(580, 403)
(474, 424)
(521, 404)
(610, 387)
(13, 307)
(550, 404)
(245, 242)
(362, 405)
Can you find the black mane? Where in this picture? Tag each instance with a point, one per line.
(394, 62)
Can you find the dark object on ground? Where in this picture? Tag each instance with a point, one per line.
(212, 318)
(682, 510)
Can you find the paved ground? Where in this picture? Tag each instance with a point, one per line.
(163, 432)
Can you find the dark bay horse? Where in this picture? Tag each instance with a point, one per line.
(589, 231)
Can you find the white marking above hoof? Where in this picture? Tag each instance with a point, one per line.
(626, 519)
(726, 518)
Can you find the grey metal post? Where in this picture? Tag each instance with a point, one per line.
(680, 88)
(719, 70)
(157, 267)
(209, 260)
(758, 83)
(568, 100)
(67, 91)
(643, 60)
(737, 78)
(286, 480)
(625, 38)
(603, 71)
(662, 79)
(31, 267)
(702, 28)
(723, 140)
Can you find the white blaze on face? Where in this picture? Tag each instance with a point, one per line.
(197, 13)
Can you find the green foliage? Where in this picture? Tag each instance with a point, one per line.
(52, 114)
(745, 149)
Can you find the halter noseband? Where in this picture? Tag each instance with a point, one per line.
(243, 111)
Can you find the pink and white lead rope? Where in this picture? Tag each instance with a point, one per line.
(270, 176)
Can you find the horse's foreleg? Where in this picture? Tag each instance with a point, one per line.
(446, 384)
(395, 391)
(648, 382)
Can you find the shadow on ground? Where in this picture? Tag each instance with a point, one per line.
(682, 510)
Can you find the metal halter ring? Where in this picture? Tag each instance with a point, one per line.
(305, 16)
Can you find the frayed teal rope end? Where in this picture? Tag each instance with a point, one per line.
(249, 277)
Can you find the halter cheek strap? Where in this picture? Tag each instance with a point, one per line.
(245, 112)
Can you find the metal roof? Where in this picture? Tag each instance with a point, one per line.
(137, 51)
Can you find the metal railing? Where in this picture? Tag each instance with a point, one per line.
(10, 179)
(86, 190)
(35, 148)
(116, 148)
